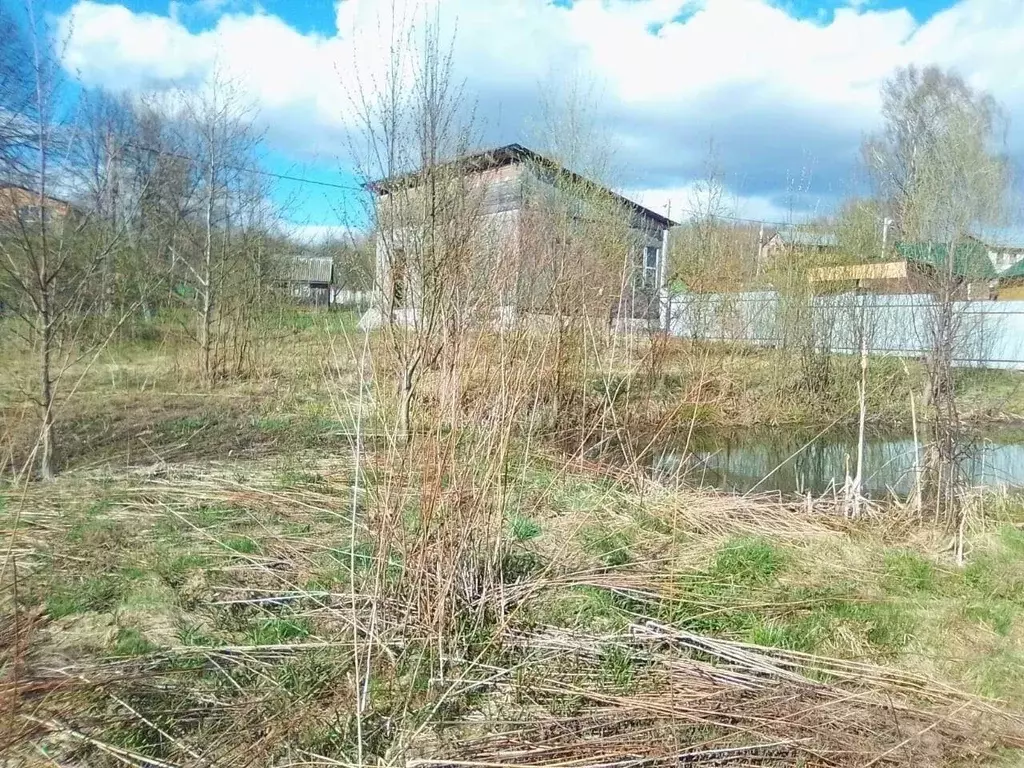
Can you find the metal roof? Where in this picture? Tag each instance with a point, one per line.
(517, 153)
(1016, 271)
(1001, 238)
(308, 269)
(970, 258)
(807, 238)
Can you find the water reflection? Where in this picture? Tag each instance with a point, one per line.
(797, 462)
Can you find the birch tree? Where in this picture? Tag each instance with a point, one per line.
(50, 250)
(939, 174)
(417, 130)
(219, 144)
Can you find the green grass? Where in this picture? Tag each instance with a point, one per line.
(278, 631)
(749, 562)
(146, 593)
(171, 581)
(94, 593)
(195, 635)
(597, 610)
(1001, 675)
(611, 547)
(243, 545)
(95, 530)
(908, 573)
(888, 626)
(997, 615)
(173, 567)
(211, 516)
(803, 635)
(185, 426)
(296, 478)
(618, 669)
(523, 528)
(131, 642)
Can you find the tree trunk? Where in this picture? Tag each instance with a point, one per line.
(46, 438)
(405, 406)
(206, 321)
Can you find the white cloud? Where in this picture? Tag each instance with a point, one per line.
(679, 203)
(314, 234)
(783, 98)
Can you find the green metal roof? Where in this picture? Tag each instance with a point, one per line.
(970, 259)
(1016, 271)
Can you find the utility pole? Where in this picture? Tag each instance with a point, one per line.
(663, 292)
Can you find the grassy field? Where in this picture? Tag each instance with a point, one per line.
(236, 575)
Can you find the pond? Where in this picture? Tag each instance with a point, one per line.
(794, 461)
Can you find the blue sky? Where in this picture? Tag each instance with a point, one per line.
(783, 90)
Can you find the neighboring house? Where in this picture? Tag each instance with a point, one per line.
(916, 271)
(1011, 283)
(1004, 253)
(513, 248)
(795, 239)
(310, 279)
(20, 206)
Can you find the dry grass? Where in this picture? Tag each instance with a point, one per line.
(278, 580)
(240, 624)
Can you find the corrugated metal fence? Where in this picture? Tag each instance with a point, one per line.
(343, 297)
(990, 335)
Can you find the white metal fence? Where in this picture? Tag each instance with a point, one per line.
(991, 335)
(343, 297)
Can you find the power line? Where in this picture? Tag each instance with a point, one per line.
(256, 171)
(351, 188)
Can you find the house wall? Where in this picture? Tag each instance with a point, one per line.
(620, 290)
(517, 249)
(15, 199)
(1013, 291)
(494, 199)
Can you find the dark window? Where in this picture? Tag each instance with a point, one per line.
(398, 280)
(649, 267)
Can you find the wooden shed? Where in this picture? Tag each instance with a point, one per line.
(309, 279)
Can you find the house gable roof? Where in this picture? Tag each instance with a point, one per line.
(1014, 272)
(517, 153)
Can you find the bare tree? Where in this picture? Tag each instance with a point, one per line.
(50, 249)
(581, 247)
(426, 205)
(219, 206)
(939, 175)
(16, 96)
(110, 180)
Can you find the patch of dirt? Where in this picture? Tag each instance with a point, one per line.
(72, 638)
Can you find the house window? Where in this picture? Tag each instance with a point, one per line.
(33, 214)
(398, 280)
(649, 267)
(30, 214)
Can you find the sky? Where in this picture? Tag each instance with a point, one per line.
(777, 95)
